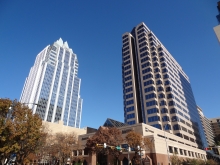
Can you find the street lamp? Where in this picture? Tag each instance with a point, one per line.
(129, 149)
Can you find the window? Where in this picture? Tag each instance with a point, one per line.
(127, 62)
(153, 118)
(152, 110)
(149, 89)
(168, 89)
(130, 116)
(127, 73)
(160, 49)
(125, 58)
(175, 150)
(146, 70)
(173, 110)
(156, 70)
(143, 49)
(155, 59)
(159, 89)
(159, 82)
(149, 96)
(153, 48)
(129, 102)
(129, 96)
(129, 109)
(162, 59)
(165, 76)
(165, 118)
(150, 103)
(156, 126)
(156, 64)
(170, 149)
(184, 129)
(176, 127)
(161, 54)
(164, 110)
(127, 78)
(127, 67)
(128, 90)
(164, 70)
(148, 82)
(163, 102)
(175, 118)
(158, 76)
(169, 96)
(167, 127)
(147, 76)
(131, 122)
(145, 59)
(128, 83)
(146, 64)
(161, 95)
(144, 54)
(153, 53)
(167, 82)
(179, 134)
(143, 44)
(163, 65)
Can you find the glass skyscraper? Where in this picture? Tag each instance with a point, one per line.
(52, 88)
(156, 90)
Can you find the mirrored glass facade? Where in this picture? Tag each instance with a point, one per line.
(52, 88)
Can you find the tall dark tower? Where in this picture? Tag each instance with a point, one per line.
(156, 90)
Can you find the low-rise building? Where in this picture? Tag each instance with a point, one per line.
(215, 123)
(165, 145)
(206, 127)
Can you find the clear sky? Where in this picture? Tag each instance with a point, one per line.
(93, 29)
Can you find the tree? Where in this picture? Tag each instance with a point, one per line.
(60, 146)
(148, 144)
(175, 159)
(109, 135)
(22, 132)
(5, 130)
(211, 162)
(134, 140)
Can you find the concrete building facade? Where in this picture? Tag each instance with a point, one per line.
(165, 144)
(217, 28)
(156, 90)
(215, 123)
(52, 88)
(206, 127)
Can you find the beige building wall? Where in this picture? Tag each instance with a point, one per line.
(206, 127)
(159, 154)
(217, 32)
(60, 128)
(215, 123)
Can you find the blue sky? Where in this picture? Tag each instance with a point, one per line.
(93, 29)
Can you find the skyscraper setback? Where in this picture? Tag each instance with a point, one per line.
(52, 88)
(156, 90)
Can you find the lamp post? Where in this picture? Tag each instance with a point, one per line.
(128, 154)
(166, 143)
